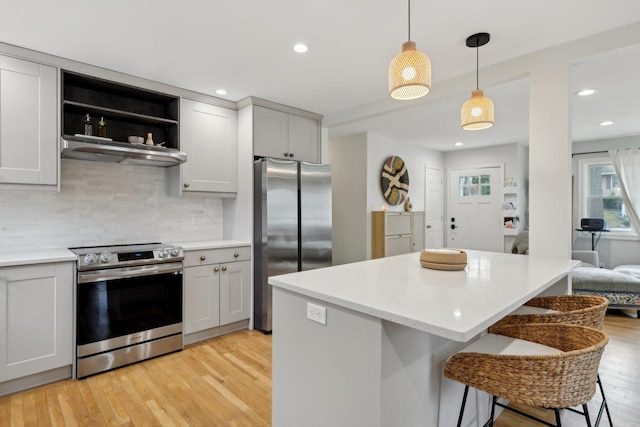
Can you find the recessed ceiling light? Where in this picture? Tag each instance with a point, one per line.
(606, 123)
(221, 92)
(586, 92)
(300, 48)
(458, 144)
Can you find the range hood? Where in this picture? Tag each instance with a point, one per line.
(92, 148)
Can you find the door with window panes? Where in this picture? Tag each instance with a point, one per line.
(474, 220)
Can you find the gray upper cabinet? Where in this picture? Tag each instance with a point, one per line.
(285, 136)
(209, 136)
(28, 122)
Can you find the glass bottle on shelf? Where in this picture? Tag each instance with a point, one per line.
(149, 139)
(102, 128)
(88, 128)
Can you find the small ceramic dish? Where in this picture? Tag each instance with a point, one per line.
(135, 139)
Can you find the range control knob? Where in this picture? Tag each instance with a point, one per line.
(90, 258)
(175, 251)
(163, 253)
(105, 257)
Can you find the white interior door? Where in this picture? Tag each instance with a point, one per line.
(474, 220)
(434, 237)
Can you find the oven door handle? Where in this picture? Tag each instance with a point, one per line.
(129, 272)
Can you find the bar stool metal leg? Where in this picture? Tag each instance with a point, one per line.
(464, 402)
(586, 414)
(604, 403)
(558, 421)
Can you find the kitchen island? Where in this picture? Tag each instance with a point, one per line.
(365, 344)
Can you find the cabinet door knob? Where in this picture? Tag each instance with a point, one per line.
(216, 269)
(236, 255)
(286, 154)
(291, 155)
(224, 268)
(186, 185)
(202, 258)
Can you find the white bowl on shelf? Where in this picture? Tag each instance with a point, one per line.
(135, 139)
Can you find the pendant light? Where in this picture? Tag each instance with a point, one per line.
(410, 71)
(477, 112)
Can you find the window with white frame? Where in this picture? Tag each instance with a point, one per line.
(599, 194)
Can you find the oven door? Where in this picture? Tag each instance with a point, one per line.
(124, 306)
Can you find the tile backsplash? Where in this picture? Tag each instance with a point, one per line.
(105, 204)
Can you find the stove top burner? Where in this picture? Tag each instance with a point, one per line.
(99, 257)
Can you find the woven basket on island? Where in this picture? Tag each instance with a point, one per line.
(443, 259)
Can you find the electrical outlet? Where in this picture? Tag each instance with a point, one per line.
(317, 313)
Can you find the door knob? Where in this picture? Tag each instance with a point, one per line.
(453, 226)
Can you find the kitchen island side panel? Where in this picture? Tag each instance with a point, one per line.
(324, 375)
(358, 370)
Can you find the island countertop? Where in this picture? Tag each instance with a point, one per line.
(452, 304)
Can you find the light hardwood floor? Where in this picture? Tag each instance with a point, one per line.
(226, 381)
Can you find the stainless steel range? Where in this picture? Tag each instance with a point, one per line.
(128, 305)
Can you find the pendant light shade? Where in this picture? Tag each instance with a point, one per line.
(410, 71)
(477, 113)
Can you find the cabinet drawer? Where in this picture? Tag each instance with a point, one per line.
(398, 223)
(216, 256)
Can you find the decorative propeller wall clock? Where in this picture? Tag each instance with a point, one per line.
(394, 180)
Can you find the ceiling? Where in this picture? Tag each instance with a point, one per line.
(244, 46)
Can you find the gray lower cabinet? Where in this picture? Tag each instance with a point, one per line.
(217, 286)
(36, 318)
(28, 122)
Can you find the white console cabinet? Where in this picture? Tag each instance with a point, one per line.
(396, 233)
(28, 122)
(36, 318)
(217, 287)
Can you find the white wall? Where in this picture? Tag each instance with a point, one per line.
(103, 204)
(348, 159)
(415, 158)
(379, 148)
(238, 211)
(357, 162)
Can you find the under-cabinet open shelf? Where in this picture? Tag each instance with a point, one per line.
(127, 110)
(118, 114)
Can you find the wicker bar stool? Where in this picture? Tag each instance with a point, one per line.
(585, 310)
(542, 364)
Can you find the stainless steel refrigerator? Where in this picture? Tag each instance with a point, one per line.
(292, 225)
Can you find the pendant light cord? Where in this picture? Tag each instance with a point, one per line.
(477, 64)
(409, 19)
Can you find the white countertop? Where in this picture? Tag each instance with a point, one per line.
(39, 256)
(453, 304)
(42, 256)
(212, 244)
